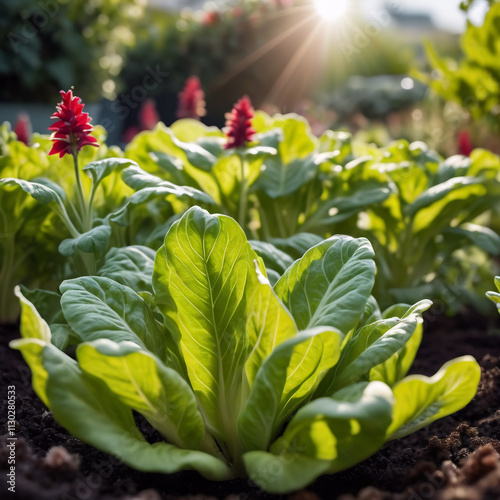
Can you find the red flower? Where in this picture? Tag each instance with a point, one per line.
(465, 145)
(210, 18)
(239, 128)
(72, 131)
(191, 100)
(22, 128)
(148, 115)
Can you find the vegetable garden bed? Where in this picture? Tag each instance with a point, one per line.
(419, 466)
(236, 343)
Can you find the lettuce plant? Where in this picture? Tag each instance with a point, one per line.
(281, 384)
(25, 228)
(478, 68)
(47, 213)
(426, 216)
(286, 181)
(48, 207)
(495, 296)
(428, 233)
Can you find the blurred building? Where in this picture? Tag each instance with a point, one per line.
(414, 25)
(176, 5)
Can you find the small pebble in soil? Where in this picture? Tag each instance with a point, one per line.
(59, 458)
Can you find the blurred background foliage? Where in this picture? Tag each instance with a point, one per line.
(473, 82)
(48, 45)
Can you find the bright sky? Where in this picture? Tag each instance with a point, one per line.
(445, 13)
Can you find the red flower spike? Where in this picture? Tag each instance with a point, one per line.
(465, 146)
(191, 100)
(148, 115)
(210, 18)
(239, 128)
(72, 131)
(22, 128)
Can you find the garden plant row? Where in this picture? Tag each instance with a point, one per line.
(240, 288)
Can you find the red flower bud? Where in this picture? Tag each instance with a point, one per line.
(148, 115)
(72, 131)
(210, 18)
(239, 128)
(191, 100)
(22, 128)
(465, 146)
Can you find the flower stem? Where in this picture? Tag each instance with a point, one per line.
(75, 213)
(82, 205)
(86, 216)
(243, 195)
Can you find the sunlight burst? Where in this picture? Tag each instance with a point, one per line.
(331, 10)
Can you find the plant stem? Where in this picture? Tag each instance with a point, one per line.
(74, 212)
(84, 209)
(264, 225)
(9, 307)
(279, 219)
(90, 206)
(63, 215)
(243, 195)
(86, 216)
(89, 263)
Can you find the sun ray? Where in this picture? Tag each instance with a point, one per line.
(289, 11)
(291, 67)
(259, 53)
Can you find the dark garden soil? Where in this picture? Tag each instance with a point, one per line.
(456, 458)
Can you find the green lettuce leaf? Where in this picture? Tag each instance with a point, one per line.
(422, 400)
(328, 434)
(285, 379)
(131, 266)
(141, 381)
(91, 412)
(330, 284)
(95, 241)
(221, 309)
(371, 346)
(118, 313)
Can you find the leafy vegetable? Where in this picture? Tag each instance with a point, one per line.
(427, 217)
(471, 82)
(294, 181)
(47, 208)
(430, 216)
(419, 210)
(494, 296)
(279, 384)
